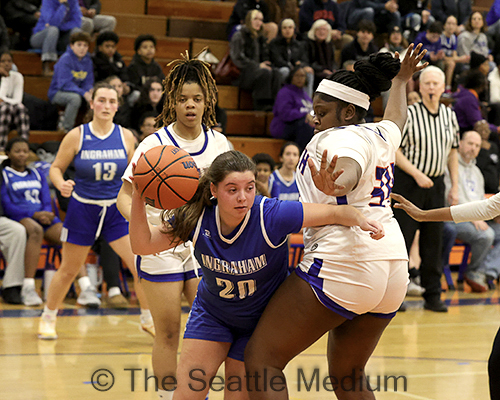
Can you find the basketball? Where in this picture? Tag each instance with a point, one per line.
(166, 177)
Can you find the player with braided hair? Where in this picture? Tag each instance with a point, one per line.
(347, 284)
(187, 115)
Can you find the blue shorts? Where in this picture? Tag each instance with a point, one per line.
(204, 326)
(82, 223)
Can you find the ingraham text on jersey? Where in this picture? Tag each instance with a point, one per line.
(240, 267)
(103, 154)
(26, 185)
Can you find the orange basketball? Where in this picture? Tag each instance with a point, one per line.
(166, 177)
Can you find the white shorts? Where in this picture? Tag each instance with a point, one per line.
(169, 266)
(354, 288)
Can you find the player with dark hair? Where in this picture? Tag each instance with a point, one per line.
(240, 240)
(100, 151)
(188, 113)
(347, 284)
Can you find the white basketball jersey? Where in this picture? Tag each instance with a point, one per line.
(203, 149)
(373, 147)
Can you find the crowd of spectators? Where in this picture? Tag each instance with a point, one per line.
(283, 49)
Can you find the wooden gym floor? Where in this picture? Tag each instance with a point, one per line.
(438, 356)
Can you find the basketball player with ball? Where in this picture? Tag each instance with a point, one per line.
(240, 240)
(100, 151)
(188, 112)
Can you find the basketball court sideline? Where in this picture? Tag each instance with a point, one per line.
(422, 355)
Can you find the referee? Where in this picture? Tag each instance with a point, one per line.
(429, 144)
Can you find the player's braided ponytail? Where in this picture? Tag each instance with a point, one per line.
(371, 76)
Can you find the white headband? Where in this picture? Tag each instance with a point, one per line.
(345, 93)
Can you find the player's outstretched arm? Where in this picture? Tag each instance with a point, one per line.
(328, 214)
(145, 238)
(438, 214)
(397, 109)
(336, 178)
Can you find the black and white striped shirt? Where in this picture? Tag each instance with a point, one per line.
(428, 138)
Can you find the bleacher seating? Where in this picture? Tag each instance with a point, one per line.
(127, 6)
(197, 27)
(178, 26)
(166, 47)
(181, 25)
(206, 10)
(136, 24)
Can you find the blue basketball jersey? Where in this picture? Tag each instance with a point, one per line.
(448, 44)
(242, 271)
(286, 190)
(100, 163)
(24, 193)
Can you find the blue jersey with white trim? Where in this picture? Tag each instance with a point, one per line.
(24, 193)
(286, 190)
(242, 271)
(100, 163)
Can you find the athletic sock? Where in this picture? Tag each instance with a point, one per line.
(114, 291)
(84, 283)
(29, 282)
(50, 314)
(146, 316)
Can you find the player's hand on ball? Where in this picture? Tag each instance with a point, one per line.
(325, 178)
(166, 177)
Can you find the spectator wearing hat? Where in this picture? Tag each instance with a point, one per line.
(396, 42)
(479, 62)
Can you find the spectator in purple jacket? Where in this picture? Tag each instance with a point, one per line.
(73, 78)
(431, 41)
(292, 119)
(58, 19)
(467, 105)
